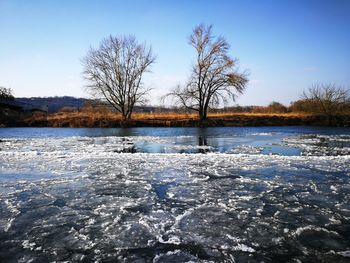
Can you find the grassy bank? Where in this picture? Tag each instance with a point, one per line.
(108, 119)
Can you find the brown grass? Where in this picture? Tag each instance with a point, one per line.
(165, 116)
(174, 119)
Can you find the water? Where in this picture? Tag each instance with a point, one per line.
(271, 194)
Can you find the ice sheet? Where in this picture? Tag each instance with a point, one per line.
(82, 198)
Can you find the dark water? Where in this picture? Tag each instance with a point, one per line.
(197, 140)
(266, 194)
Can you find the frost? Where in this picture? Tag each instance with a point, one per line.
(243, 248)
(263, 134)
(246, 149)
(344, 253)
(27, 245)
(320, 145)
(300, 230)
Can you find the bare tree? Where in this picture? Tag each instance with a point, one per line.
(276, 107)
(214, 77)
(114, 72)
(329, 99)
(6, 94)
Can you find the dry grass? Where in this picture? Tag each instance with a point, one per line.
(174, 119)
(84, 114)
(162, 116)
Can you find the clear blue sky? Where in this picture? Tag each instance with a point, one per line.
(285, 45)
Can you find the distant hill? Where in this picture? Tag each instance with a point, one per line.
(54, 104)
(50, 104)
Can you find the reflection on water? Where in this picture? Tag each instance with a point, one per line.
(271, 140)
(202, 141)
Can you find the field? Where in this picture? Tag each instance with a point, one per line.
(173, 119)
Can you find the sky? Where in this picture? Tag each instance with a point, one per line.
(284, 46)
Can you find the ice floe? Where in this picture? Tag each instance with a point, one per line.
(93, 199)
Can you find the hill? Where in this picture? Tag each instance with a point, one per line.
(54, 104)
(49, 104)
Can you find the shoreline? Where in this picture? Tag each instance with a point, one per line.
(112, 120)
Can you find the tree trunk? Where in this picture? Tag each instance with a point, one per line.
(124, 122)
(203, 112)
(330, 119)
(125, 117)
(202, 116)
(129, 116)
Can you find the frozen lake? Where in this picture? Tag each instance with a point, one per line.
(265, 194)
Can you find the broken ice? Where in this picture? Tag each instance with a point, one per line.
(84, 198)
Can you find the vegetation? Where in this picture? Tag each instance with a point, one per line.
(328, 99)
(114, 72)
(276, 107)
(101, 118)
(97, 114)
(6, 94)
(214, 77)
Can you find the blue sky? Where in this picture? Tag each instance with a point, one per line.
(286, 46)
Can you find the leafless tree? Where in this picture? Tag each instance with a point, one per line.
(6, 94)
(114, 72)
(214, 77)
(276, 107)
(329, 99)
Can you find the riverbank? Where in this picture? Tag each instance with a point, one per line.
(108, 119)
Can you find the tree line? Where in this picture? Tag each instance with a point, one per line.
(115, 69)
(114, 73)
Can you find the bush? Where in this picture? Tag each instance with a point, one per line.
(276, 107)
(304, 106)
(6, 94)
